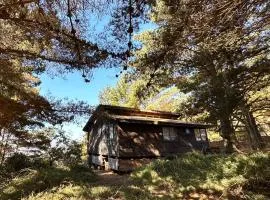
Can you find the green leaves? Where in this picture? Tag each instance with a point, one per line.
(215, 51)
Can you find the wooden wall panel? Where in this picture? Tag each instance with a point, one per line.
(97, 142)
(100, 142)
(146, 140)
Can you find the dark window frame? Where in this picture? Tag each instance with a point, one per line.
(200, 134)
(172, 135)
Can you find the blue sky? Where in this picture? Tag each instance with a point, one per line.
(74, 87)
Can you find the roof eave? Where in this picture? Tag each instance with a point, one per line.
(165, 123)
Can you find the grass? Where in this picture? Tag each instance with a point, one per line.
(31, 181)
(191, 176)
(239, 176)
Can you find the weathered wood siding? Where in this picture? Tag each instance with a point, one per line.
(101, 142)
(146, 140)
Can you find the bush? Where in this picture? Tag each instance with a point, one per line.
(39, 162)
(17, 162)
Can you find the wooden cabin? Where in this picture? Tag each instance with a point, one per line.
(122, 139)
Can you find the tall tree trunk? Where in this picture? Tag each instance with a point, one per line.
(254, 135)
(2, 146)
(227, 134)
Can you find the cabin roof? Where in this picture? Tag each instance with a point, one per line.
(153, 120)
(136, 110)
(132, 115)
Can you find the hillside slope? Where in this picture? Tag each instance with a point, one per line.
(190, 176)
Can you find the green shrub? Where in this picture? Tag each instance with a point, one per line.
(19, 161)
(16, 162)
(39, 162)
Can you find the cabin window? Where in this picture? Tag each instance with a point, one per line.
(200, 134)
(169, 134)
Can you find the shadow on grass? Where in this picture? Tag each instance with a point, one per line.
(211, 174)
(59, 183)
(34, 181)
(191, 176)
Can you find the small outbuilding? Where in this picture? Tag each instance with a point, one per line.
(122, 139)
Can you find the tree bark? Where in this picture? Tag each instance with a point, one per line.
(4, 145)
(254, 135)
(227, 134)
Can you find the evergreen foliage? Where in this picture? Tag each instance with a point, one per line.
(216, 51)
(135, 94)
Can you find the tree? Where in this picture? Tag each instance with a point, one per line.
(34, 37)
(134, 94)
(167, 99)
(47, 31)
(125, 93)
(37, 36)
(217, 51)
(23, 110)
(63, 150)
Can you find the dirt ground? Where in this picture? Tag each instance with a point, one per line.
(110, 178)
